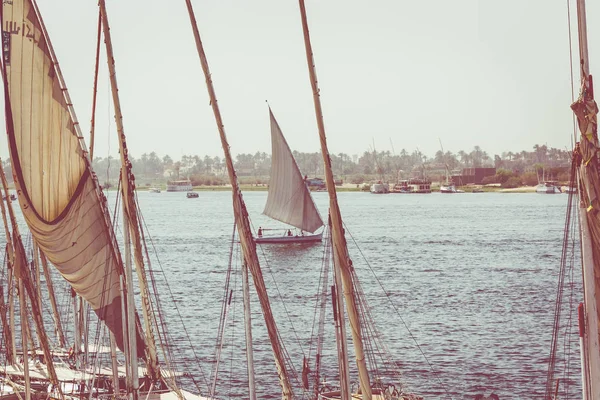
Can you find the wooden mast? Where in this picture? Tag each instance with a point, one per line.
(588, 214)
(344, 263)
(11, 347)
(21, 272)
(248, 331)
(243, 225)
(55, 315)
(131, 216)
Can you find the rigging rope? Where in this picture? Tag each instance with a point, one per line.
(560, 288)
(387, 295)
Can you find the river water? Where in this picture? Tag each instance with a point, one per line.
(467, 304)
(472, 276)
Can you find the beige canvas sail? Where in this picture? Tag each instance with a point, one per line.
(57, 191)
(289, 199)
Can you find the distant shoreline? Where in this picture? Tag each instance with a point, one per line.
(348, 188)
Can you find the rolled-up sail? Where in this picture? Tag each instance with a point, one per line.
(289, 199)
(58, 192)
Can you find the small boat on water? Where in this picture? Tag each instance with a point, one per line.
(548, 187)
(288, 237)
(192, 195)
(380, 188)
(153, 190)
(450, 188)
(289, 199)
(477, 190)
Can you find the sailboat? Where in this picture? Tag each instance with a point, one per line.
(586, 166)
(448, 186)
(67, 213)
(344, 293)
(289, 199)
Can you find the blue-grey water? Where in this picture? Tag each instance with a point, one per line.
(469, 277)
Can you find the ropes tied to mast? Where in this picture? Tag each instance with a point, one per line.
(565, 267)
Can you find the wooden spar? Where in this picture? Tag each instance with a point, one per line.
(588, 177)
(583, 42)
(243, 224)
(11, 347)
(55, 315)
(114, 365)
(340, 335)
(93, 121)
(132, 391)
(24, 323)
(340, 247)
(248, 330)
(77, 331)
(36, 267)
(24, 280)
(130, 211)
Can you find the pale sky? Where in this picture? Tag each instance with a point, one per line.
(488, 73)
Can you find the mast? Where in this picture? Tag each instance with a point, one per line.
(585, 109)
(340, 334)
(243, 225)
(248, 326)
(11, 347)
(26, 287)
(59, 331)
(131, 214)
(340, 247)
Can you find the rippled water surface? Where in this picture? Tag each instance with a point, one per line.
(472, 276)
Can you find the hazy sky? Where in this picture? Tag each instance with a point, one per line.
(491, 73)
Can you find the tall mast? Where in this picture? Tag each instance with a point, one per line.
(248, 330)
(21, 272)
(243, 225)
(340, 247)
(131, 213)
(55, 315)
(585, 109)
(11, 348)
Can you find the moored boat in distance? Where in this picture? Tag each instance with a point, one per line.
(548, 187)
(414, 185)
(192, 195)
(380, 188)
(179, 186)
(154, 190)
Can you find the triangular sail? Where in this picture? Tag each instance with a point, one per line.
(58, 192)
(289, 199)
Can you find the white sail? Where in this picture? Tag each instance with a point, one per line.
(289, 199)
(57, 190)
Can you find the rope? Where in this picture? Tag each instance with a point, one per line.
(559, 291)
(387, 295)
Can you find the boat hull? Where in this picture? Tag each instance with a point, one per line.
(289, 239)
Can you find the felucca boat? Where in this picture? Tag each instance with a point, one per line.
(289, 199)
(70, 224)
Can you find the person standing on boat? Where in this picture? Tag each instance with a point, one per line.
(289, 232)
(259, 231)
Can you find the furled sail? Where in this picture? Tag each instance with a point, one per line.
(289, 199)
(58, 192)
(586, 110)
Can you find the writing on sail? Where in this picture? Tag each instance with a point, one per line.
(23, 28)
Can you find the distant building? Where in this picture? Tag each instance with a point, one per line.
(473, 176)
